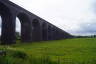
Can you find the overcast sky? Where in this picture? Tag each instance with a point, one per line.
(74, 16)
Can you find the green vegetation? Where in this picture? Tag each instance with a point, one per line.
(68, 51)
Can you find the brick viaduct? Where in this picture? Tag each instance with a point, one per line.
(33, 28)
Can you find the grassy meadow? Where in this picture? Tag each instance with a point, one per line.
(68, 51)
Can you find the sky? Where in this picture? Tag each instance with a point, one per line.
(77, 17)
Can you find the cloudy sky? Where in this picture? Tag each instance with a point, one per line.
(77, 17)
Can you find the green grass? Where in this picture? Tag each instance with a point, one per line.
(68, 51)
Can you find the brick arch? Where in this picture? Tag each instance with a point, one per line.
(44, 31)
(36, 30)
(35, 23)
(50, 32)
(26, 30)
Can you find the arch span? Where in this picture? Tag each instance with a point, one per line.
(44, 31)
(26, 30)
(50, 32)
(18, 29)
(36, 30)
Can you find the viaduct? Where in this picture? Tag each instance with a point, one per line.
(33, 28)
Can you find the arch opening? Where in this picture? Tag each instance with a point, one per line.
(26, 30)
(49, 32)
(18, 29)
(44, 31)
(35, 23)
(0, 27)
(36, 30)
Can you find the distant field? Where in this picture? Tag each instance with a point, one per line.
(68, 51)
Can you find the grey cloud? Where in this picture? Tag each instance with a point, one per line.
(94, 6)
(87, 28)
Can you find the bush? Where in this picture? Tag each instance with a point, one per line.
(19, 54)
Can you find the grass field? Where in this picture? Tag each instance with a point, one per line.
(68, 51)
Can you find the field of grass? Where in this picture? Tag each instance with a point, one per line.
(68, 51)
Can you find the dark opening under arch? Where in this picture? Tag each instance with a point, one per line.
(44, 31)
(50, 33)
(35, 23)
(36, 30)
(26, 30)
